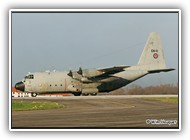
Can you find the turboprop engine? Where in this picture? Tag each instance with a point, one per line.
(85, 75)
(88, 73)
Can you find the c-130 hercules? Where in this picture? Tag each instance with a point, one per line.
(93, 81)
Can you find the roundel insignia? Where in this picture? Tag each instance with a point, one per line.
(155, 55)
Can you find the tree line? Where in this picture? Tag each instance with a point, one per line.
(163, 89)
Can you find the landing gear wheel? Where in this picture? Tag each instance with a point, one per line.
(85, 94)
(93, 94)
(77, 94)
(34, 94)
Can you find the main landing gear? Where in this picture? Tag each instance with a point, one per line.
(85, 94)
(93, 94)
(76, 94)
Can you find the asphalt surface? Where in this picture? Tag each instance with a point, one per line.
(98, 112)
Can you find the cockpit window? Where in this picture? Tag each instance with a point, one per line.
(31, 76)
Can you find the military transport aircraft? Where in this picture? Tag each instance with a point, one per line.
(92, 81)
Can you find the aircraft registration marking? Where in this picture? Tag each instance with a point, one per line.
(154, 50)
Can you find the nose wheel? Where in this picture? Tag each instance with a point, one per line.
(34, 94)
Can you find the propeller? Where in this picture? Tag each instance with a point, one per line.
(70, 73)
(79, 71)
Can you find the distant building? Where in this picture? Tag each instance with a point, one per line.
(18, 93)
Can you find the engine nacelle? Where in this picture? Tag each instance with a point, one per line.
(74, 75)
(91, 73)
(85, 75)
(85, 80)
(77, 76)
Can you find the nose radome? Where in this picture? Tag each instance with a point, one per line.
(20, 86)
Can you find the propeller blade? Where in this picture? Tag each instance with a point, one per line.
(79, 71)
(70, 73)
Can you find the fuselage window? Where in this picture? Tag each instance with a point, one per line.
(31, 76)
(61, 84)
(55, 85)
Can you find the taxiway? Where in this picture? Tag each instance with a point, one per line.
(97, 112)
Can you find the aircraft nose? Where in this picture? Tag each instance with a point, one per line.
(20, 86)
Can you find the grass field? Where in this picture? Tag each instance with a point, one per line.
(22, 105)
(163, 99)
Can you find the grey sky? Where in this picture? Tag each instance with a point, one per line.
(63, 41)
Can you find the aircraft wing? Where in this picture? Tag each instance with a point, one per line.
(94, 73)
(113, 70)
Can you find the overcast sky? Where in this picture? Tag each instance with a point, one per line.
(64, 41)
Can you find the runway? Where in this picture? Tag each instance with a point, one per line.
(94, 97)
(98, 112)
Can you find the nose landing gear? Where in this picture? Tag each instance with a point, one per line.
(34, 94)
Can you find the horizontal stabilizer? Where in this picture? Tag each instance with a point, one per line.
(160, 70)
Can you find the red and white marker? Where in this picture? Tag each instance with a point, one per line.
(155, 55)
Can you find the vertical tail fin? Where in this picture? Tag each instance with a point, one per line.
(152, 56)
